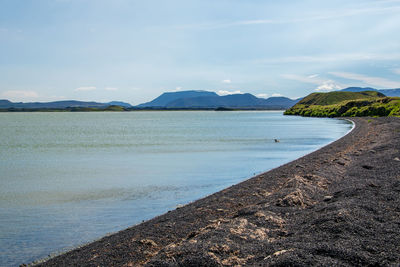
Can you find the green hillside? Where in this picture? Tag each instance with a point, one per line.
(342, 104)
(337, 97)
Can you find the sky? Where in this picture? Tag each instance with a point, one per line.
(134, 50)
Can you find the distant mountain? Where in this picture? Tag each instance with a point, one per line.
(5, 104)
(390, 92)
(168, 97)
(236, 100)
(169, 100)
(386, 92)
(281, 101)
(204, 99)
(232, 101)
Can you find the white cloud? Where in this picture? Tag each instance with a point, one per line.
(111, 89)
(374, 81)
(397, 71)
(85, 88)
(262, 95)
(19, 95)
(225, 92)
(276, 95)
(324, 85)
(227, 81)
(327, 86)
(304, 79)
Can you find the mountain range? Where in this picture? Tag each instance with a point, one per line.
(194, 99)
(5, 104)
(165, 98)
(207, 100)
(170, 100)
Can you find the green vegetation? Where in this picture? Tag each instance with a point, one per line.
(337, 97)
(114, 108)
(346, 104)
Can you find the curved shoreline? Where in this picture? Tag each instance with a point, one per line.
(288, 215)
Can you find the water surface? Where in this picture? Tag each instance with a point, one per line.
(69, 178)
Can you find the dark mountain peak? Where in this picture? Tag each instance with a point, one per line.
(241, 96)
(189, 92)
(279, 98)
(168, 97)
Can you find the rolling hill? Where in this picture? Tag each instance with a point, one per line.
(346, 104)
(386, 92)
(336, 97)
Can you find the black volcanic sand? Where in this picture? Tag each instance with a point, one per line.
(337, 206)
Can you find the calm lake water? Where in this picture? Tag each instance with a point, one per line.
(69, 178)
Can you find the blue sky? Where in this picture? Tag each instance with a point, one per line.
(133, 50)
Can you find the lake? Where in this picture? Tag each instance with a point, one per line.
(69, 178)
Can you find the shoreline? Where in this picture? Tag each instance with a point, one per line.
(262, 220)
(137, 109)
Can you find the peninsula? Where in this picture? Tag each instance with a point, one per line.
(346, 104)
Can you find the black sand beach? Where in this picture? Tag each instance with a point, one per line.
(339, 205)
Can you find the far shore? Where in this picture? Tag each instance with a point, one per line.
(121, 109)
(336, 206)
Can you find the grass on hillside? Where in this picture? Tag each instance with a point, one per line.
(377, 106)
(337, 97)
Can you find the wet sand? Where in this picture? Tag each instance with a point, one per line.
(339, 205)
